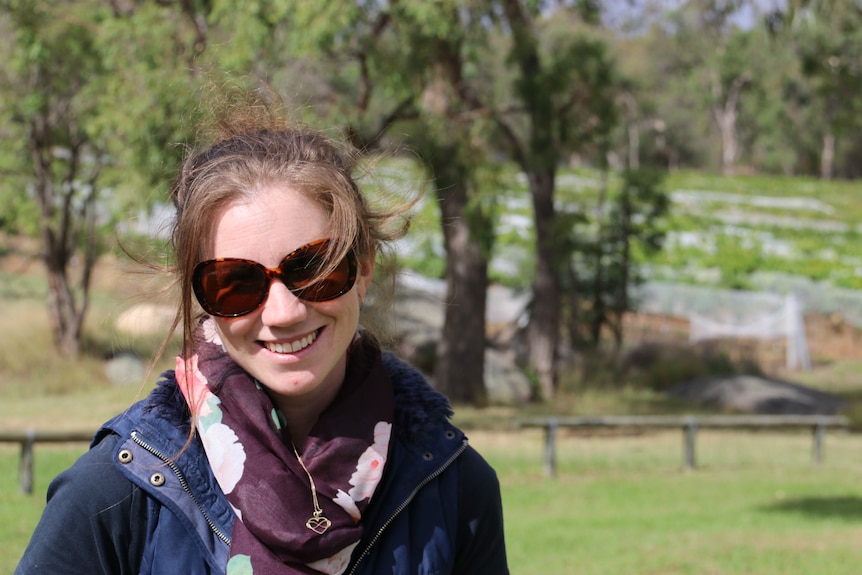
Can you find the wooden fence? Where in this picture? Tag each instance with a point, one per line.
(28, 439)
(689, 424)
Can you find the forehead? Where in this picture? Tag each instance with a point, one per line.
(267, 226)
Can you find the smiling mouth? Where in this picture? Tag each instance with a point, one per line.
(292, 346)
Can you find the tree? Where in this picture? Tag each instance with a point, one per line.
(444, 135)
(705, 66)
(403, 64)
(96, 93)
(827, 37)
(562, 102)
(774, 119)
(605, 264)
(51, 101)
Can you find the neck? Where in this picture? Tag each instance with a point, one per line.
(302, 412)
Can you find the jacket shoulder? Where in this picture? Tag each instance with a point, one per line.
(91, 520)
(164, 407)
(481, 543)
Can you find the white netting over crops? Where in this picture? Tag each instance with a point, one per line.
(681, 299)
(715, 313)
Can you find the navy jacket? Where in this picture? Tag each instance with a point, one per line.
(143, 500)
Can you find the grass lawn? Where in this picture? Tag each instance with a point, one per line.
(623, 504)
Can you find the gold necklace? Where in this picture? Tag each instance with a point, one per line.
(317, 522)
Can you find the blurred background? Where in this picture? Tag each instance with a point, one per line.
(629, 207)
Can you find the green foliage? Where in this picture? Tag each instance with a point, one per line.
(749, 225)
(737, 260)
(602, 266)
(18, 214)
(828, 42)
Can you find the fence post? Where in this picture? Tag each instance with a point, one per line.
(690, 433)
(819, 432)
(551, 447)
(26, 463)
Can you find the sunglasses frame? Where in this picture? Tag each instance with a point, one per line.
(281, 273)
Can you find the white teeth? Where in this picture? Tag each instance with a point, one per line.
(291, 347)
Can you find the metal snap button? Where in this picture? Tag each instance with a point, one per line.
(125, 456)
(428, 456)
(157, 479)
(450, 434)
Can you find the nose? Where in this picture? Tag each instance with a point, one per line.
(282, 307)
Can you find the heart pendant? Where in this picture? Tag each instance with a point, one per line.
(318, 524)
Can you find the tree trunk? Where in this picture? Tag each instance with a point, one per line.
(460, 367)
(632, 131)
(622, 299)
(827, 156)
(538, 159)
(726, 120)
(634, 145)
(64, 216)
(459, 371)
(544, 328)
(66, 321)
(725, 114)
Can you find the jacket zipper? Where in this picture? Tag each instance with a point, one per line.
(404, 504)
(179, 474)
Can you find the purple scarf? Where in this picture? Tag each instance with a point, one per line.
(251, 455)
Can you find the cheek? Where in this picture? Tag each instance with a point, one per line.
(231, 329)
(344, 310)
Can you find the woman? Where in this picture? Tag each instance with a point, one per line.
(284, 441)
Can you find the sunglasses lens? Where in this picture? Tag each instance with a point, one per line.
(309, 275)
(230, 288)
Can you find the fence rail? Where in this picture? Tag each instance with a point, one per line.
(689, 424)
(28, 438)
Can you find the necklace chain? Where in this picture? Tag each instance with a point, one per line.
(317, 522)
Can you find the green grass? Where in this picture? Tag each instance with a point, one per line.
(622, 504)
(19, 513)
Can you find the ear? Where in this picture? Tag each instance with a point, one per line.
(365, 276)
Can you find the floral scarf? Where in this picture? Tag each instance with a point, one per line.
(251, 455)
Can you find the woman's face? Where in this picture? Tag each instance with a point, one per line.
(275, 222)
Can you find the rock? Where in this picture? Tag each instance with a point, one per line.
(125, 368)
(754, 394)
(419, 316)
(504, 382)
(146, 319)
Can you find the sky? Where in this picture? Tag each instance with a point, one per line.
(621, 14)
